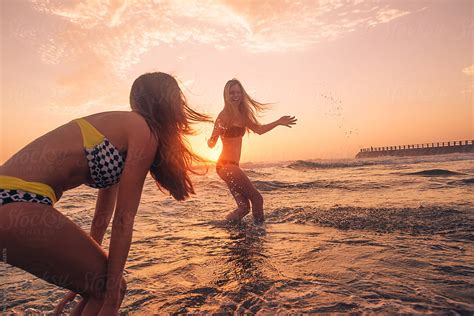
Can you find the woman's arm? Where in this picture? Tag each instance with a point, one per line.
(104, 208)
(215, 132)
(286, 120)
(140, 154)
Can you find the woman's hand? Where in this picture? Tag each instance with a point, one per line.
(212, 142)
(112, 302)
(287, 121)
(67, 298)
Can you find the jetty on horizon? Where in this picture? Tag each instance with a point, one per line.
(439, 148)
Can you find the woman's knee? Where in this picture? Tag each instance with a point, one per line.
(243, 205)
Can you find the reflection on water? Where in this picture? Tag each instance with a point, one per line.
(243, 281)
(238, 282)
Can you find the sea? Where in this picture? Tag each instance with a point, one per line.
(361, 236)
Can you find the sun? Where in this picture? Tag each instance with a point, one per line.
(199, 146)
(213, 153)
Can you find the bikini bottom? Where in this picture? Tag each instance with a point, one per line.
(14, 189)
(221, 163)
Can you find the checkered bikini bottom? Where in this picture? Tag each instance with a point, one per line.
(9, 196)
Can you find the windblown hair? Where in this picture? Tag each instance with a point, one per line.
(248, 108)
(158, 98)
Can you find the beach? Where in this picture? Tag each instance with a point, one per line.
(385, 235)
(353, 119)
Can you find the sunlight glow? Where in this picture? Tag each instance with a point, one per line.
(213, 153)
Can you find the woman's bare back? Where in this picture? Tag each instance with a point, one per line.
(57, 158)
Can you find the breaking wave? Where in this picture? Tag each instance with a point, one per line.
(306, 164)
(422, 220)
(277, 185)
(355, 163)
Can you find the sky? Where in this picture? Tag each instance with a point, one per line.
(355, 73)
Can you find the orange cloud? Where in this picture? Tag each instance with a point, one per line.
(114, 35)
(121, 31)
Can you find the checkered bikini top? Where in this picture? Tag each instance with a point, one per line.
(105, 161)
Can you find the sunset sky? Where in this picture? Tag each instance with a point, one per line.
(355, 73)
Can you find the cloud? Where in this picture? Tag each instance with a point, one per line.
(283, 25)
(469, 71)
(121, 31)
(116, 34)
(385, 16)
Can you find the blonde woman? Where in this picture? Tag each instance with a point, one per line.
(237, 117)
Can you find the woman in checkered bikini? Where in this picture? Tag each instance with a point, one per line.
(111, 151)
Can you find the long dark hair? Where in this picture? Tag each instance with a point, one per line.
(157, 97)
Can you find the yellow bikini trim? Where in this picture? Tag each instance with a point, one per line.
(90, 135)
(12, 183)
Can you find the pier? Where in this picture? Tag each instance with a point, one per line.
(440, 148)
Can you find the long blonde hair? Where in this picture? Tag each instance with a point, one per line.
(248, 108)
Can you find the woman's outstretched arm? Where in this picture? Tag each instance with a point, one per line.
(260, 129)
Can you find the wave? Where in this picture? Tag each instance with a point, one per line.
(422, 220)
(469, 181)
(354, 163)
(307, 164)
(435, 173)
(255, 173)
(277, 185)
(274, 185)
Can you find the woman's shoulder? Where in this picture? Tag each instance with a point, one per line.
(133, 122)
(135, 119)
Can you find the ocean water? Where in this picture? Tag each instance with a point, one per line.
(388, 235)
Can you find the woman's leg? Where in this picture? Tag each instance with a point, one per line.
(243, 190)
(40, 240)
(243, 207)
